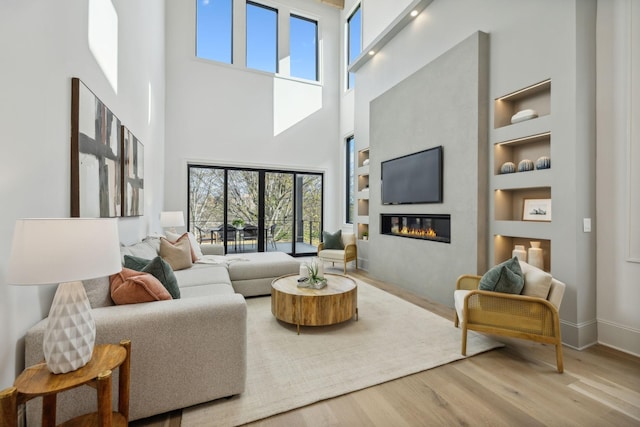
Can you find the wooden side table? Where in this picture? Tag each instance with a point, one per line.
(37, 381)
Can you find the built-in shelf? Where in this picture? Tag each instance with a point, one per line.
(503, 248)
(362, 205)
(509, 204)
(514, 142)
(531, 147)
(536, 97)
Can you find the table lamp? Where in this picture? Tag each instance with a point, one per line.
(65, 251)
(171, 220)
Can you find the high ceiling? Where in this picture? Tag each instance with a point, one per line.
(336, 3)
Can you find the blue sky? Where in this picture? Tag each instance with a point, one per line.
(214, 30)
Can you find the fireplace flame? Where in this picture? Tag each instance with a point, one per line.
(430, 232)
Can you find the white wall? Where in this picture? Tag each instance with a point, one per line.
(229, 115)
(43, 45)
(618, 153)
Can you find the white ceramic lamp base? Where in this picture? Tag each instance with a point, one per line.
(71, 331)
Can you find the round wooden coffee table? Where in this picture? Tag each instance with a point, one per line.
(337, 302)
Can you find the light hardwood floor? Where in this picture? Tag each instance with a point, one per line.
(516, 385)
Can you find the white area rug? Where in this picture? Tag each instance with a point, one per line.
(392, 338)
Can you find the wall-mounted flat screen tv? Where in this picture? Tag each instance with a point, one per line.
(414, 178)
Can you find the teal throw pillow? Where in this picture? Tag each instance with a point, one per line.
(158, 268)
(332, 241)
(506, 277)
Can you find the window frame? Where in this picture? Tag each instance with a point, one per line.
(262, 172)
(293, 15)
(357, 8)
(277, 36)
(350, 175)
(231, 32)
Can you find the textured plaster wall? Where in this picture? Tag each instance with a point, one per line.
(443, 103)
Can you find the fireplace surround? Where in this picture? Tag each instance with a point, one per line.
(435, 228)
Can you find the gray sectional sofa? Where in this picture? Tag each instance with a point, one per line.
(184, 351)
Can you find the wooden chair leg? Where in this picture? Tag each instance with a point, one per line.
(455, 319)
(9, 407)
(559, 362)
(464, 339)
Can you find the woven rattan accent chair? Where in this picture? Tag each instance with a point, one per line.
(519, 316)
(346, 255)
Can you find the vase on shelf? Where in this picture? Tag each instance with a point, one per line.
(535, 255)
(520, 253)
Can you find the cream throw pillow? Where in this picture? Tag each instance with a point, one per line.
(536, 282)
(196, 252)
(177, 254)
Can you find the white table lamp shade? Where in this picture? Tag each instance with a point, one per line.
(171, 219)
(65, 251)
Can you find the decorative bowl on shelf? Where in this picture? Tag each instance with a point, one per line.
(543, 162)
(365, 162)
(523, 115)
(525, 165)
(508, 167)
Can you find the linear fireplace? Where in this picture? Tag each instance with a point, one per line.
(417, 226)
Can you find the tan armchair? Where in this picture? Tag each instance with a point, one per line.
(349, 253)
(519, 316)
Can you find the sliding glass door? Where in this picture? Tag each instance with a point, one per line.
(253, 210)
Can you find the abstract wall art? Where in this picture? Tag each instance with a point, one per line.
(132, 174)
(95, 156)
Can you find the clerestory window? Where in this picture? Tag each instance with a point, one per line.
(354, 42)
(262, 37)
(214, 23)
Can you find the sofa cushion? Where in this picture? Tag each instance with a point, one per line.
(332, 240)
(145, 249)
(98, 292)
(348, 239)
(260, 265)
(199, 291)
(536, 282)
(177, 254)
(196, 251)
(505, 277)
(159, 268)
(132, 287)
(333, 255)
(202, 274)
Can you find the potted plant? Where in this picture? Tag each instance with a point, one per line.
(238, 223)
(365, 235)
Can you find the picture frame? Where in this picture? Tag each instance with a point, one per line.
(95, 156)
(536, 210)
(132, 174)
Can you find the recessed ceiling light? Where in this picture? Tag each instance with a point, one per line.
(414, 13)
(372, 52)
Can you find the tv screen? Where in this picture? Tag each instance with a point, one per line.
(414, 178)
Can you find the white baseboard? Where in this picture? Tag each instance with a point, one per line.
(619, 337)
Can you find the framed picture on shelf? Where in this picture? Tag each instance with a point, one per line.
(536, 210)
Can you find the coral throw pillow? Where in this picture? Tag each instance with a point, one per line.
(132, 287)
(177, 254)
